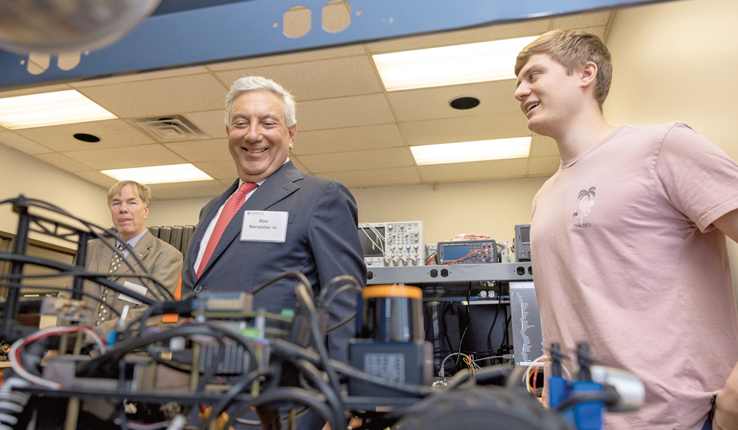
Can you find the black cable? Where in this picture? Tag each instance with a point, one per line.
(305, 300)
(115, 354)
(292, 394)
(99, 278)
(324, 289)
(290, 274)
(494, 321)
(231, 394)
(160, 361)
(468, 323)
(342, 323)
(96, 298)
(428, 258)
(505, 342)
(141, 321)
(326, 304)
(445, 308)
(333, 398)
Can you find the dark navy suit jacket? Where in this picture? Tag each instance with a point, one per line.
(322, 242)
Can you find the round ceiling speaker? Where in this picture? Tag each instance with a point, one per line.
(55, 26)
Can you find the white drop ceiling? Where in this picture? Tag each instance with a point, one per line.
(348, 127)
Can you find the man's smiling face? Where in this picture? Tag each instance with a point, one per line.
(258, 137)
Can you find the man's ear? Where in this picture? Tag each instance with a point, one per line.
(588, 74)
(292, 133)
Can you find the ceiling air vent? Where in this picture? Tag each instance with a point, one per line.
(169, 128)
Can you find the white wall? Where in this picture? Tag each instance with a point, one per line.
(175, 212)
(678, 61)
(490, 208)
(23, 174)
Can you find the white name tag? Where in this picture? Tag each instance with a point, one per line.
(140, 289)
(264, 226)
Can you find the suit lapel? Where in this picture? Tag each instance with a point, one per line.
(105, 256)
(202, 227)
(277, 187)
(141, 250)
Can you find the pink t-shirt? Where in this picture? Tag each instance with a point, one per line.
(625, 258)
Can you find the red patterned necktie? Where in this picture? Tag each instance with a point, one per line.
(231, 207)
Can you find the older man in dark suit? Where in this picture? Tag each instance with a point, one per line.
(274, 218)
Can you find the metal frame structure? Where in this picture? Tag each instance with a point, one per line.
(253, 28)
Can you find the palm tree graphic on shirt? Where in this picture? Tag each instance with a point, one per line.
(585, 200)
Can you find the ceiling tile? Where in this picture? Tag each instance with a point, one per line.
(376, 177)
(469, 128)
(483, 34)
(543, 166)
(474, 171)
(542, 146)
(433, 103)
(159, 97)
(347, 139)
(136, 77)
(299, 57)
(202, 150)
(112, 133)
(211, 122)
(123, 158)
(221, 170)
(318, 79)
(340, 77)
(22, 144)
(98, 178)
(358, 160)
(581, 20)
(63, 162)
(187, 190)
(343, 112)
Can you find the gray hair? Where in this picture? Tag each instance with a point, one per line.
(256, 83)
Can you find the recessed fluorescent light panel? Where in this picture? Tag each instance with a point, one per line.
(481, 150)
(450, 65)
(40, 110)
(160, 174)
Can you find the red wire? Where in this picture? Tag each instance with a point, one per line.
(467, 255)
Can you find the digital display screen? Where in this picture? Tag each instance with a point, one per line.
(525, 234)
(454, 252)
(372, 249)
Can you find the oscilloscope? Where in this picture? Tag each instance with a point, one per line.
(392, 243)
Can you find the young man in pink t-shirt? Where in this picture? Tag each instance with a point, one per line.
(628, 240)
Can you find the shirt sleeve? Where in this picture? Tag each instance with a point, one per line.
(699, 178)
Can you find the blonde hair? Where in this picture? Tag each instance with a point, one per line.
(143, 191)
(573, 49)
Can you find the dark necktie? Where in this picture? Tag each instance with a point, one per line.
(231, 207)
(115, 262)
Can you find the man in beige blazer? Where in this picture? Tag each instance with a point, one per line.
(129, 204)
